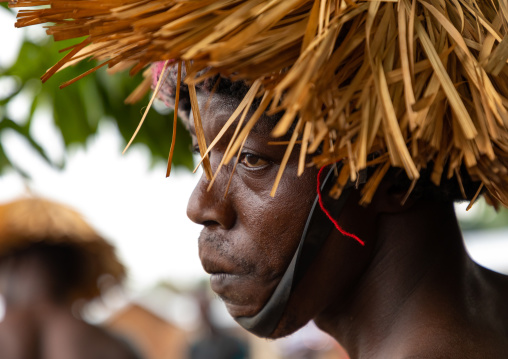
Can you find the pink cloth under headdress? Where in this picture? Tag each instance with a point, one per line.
(167, 90)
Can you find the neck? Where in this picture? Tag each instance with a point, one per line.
(29, 287)
(418, 251)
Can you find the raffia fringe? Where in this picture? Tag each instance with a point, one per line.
(413, 81)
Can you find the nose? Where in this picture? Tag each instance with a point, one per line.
(210, 208)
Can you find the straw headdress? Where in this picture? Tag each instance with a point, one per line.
(417, 82)
(36, 221)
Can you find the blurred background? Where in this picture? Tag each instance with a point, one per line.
(66, 145)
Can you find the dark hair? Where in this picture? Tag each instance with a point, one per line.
(215, 83)
(64, 264)
(452, 189)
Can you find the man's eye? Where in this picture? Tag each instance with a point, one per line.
(252, 161)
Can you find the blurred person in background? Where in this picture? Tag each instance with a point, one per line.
(51, 261)
(215, 342)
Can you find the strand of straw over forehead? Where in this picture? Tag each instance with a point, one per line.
(242, 108)
(198, 126)
(157, 88)
(238, 155)
(175, 118)
(248, 103)
(285, 159)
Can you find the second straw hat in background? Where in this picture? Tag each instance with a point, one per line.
(36, 221)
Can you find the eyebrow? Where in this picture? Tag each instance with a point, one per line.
(262, 127)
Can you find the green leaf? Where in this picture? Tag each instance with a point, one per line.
(5, 5)
(24, 132)
(4, 161)
(78, 109)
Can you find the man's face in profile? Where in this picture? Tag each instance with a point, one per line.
(248, 237)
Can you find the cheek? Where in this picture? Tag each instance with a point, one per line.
(275, 225)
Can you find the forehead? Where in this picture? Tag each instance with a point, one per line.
(216, 109)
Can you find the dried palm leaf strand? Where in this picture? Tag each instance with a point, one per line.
(409, 96)
(234, 167)
(175, 117)
(447, 85)
(159, 83)
(198, 126)
(244, 108)
(470, 64)
(292, 49)
(248, 127)
(285, 159)
(304, 146)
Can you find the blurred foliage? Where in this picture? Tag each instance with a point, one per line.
(78, 108)
(482, 216)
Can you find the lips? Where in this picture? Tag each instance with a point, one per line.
(223, 270)
(243, 286)
(223, 274)
(231, 286)
(217, 264)
(232, 283)
(222, 283)
(243, 294)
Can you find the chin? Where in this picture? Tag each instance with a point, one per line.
(243, 295)
(242, 310)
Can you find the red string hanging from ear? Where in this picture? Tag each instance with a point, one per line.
(336, 224)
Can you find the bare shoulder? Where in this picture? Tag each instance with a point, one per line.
(474, 325)
(441, 343)
(75, 339)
